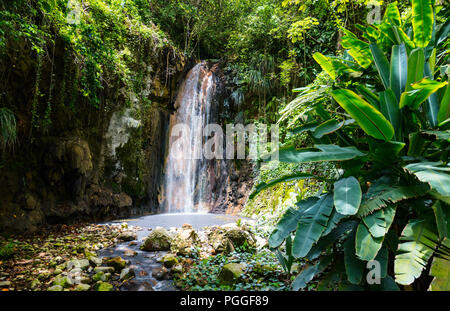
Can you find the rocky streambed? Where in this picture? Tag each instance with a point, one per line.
(144, 254)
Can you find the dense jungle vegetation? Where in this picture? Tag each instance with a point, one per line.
(359, 89)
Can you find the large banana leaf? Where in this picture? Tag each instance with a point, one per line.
(442, 215)
(347, 196)
(433, 174)
(353, 266)
(415, 249)
(325, 153)
(422, 22)
(358, 49)
(381, 63)
(262, 186)
(289, 221)
(369, 96)
(432, 103)
(379, 222)
(311, 225)
(328, 127)
(383, 258)
(325, 63)
(310, 272)
(367, 246)
(393, 14)
(444, 109)
(440, 269)
(416, 63)
(379, 196)
(420, 93)
(398, 70)
(334, 220)
(368, 118)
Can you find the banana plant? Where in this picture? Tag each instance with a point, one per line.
(391, 202)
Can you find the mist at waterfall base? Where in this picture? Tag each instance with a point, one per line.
(191, 185)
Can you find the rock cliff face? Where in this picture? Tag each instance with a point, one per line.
(92, 163)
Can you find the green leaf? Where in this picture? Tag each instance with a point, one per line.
(289, 221)
(393, 14)
(309, 273)
(444, 109)
(262, 186)
(310, 126)
(422, 22)
(347, 196)
(326, 153)
(369, 96)
(379, 222)
(353, 266)
(325, 63)
(367, 246)
(334, 220)
(329, 127)
(398, 70)
(379, 196)
(358, 49)
(390, 109)
(311, 225)
(369, 119)
(416, 63)
(432, 102)
(383, 258)
(442, 215)
(414, 251)
(433, 174)
(420, 93)
(381, 63)
(440, 269)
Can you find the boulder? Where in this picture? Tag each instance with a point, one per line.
(240, 238)
(169, 260)
(220, 242)
(158, 240)
(185, 241)
(230, 273)
(101, 276)
(104, 269)
(63, 281)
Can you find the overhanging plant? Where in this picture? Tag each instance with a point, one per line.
(390, 202)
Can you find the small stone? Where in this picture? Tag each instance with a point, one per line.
(5, 284)
(100, 276)
(104, 269)
(126, 274)
(82, 287)
(159, 273)
(57, 271)
(35, 284)
(63, 281)
(177, 269)
(55, 288)
(82, 264)
(95, 261)
(103, 287)
(129, 253)
(127, 236)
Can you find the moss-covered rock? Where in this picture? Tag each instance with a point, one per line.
(158, 240)
(169, 260)
(103, 287)
(230, 273)
(118, 263)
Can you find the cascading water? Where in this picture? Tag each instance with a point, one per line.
(190, 183)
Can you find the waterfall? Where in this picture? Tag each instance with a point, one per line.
(190, 182)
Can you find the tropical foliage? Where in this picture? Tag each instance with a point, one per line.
(389, 138)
